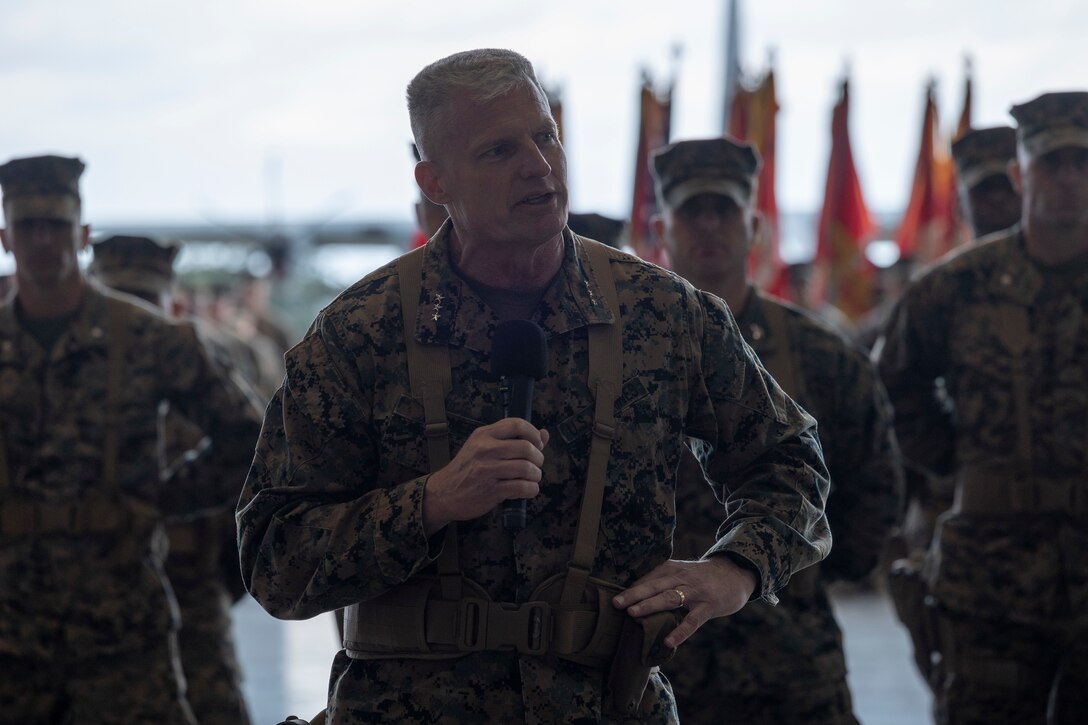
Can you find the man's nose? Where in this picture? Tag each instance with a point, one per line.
(535, 165)
(709, 219)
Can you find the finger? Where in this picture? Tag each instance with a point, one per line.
(508, 428)
(518, 488)
(655, 594)
(687, 627)
(659, 579)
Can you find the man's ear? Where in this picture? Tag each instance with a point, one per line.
(1013, 170)
(759, 230)
(427, 176)
(657, 224)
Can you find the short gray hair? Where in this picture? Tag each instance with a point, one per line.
(485, 73)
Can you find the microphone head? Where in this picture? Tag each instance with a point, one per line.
(519, 348)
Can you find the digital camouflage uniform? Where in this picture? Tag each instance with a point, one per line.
(86, 614)
(1009, 571)
(202, 564)
(980, 155)
(332, 510)
(785, 663)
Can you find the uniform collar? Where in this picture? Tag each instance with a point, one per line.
(753, 323)
(451, 313)
(1014, 276)
(86, 331)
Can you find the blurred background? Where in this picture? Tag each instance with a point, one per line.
(279, 124)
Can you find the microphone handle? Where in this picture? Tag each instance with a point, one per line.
(519, 404)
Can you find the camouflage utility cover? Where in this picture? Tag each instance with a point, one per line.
(797, 645)
(103, 594)
(332, 510)
(983, 152)
(952, 325)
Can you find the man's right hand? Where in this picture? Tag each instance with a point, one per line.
(498, 462)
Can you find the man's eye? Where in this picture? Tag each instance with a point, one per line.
(495, 152)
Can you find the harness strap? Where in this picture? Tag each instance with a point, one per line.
(1013, 327)
(605, 378)
(779, 360)
(431, 379)
(117, 326)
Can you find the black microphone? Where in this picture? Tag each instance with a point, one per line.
(519, 355)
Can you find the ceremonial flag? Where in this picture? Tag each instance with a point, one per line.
(843, 274)
(655, 117)
(927, 229)
(752, 117)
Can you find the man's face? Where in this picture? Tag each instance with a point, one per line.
(499, 169)
(990, 205)
(1054, 187)
(708, 238)
(45, 249)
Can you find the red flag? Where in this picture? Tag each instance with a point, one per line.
(653, 132)
(843, 274)
(927, 229)
(752, 116)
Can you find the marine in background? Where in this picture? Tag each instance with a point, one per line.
(989, 204)
(784, 663)
(984, 361)
(88, 623)
(202, 564)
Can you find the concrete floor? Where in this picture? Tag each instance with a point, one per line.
(286, 664)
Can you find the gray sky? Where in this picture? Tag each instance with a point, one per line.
(228, 109)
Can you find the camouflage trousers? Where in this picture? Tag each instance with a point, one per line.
(141, 687)
(827, 704)
(207, 654)
(997, 673)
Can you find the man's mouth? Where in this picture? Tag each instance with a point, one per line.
(537, 199)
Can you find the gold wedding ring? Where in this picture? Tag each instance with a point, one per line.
(683, 598)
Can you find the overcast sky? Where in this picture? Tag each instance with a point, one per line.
(238, 109)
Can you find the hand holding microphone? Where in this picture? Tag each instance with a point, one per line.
(502, 457)
(519, 354)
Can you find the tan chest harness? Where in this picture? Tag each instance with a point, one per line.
(102, 511)
(447, 615)
(1002, 489)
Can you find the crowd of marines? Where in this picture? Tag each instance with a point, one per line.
(702, 462)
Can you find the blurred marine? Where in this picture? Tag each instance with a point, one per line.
(985, 362)
(87, 619)
(784, 663)
(202, 564)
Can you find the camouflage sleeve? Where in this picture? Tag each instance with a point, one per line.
(316, 531)
(223, 409)
(912, 357)
(866, 469)
(766, 459)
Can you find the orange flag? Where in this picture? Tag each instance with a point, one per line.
(928, 228)
(752, 116)
(843, 275)
(653, 132)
